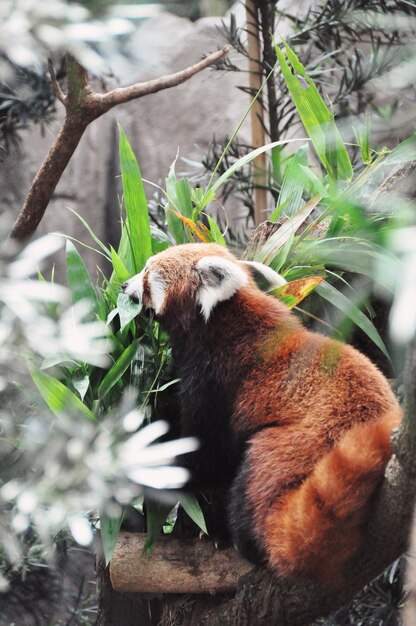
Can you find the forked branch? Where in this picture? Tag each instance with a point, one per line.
(83, 106)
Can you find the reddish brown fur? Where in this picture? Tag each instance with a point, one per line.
(312, 475)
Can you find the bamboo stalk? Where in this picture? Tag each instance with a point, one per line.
(258, 136)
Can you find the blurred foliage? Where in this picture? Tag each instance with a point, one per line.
(353, 51)
(26, 97)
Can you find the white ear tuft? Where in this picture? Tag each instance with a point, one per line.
(157, 291)
(265, 277)
(220, 280)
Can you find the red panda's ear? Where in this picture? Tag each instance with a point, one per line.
(220, 279)
(264, 276)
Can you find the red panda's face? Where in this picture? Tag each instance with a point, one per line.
(192, 277)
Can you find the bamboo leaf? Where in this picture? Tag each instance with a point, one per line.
(215, 232)
(191, 506)
(271, 248)
(184, 197)
(117, 370)
(362, 134)
(344, 304)
(127, 309)
(79, 281)
(57, 396)
(109, 529)
(313, 180)
(174, 223)
(209, 192)
(290, 197)
(165, 386)
(81, 385)
(156, 514)
(193, 226)
(136, 245)
(293, 293)
(317, 119)
(58, 358)
(120, 269)
(405, 151)
(92, 234)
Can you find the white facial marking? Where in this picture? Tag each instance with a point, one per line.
(134, 287)
(272, 277)
(220, 280)
(157, 291)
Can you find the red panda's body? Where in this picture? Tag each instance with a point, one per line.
(297, 426)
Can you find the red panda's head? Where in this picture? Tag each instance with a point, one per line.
(193, 278)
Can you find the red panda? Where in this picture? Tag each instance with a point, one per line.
(294, 425)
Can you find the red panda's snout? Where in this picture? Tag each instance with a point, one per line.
(134, 287)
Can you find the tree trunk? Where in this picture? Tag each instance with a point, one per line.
(123, 609)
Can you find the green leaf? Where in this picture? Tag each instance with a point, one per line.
(79, 281)
(156, 515)
(58, 358)
(165, 386)
(271, 248)
(109, 529)
(136, 244)
(120, 269)
(405, 151)
(159, 246)
(316, 117)
(350, 254)
(170, 521)
(81, 385)
(117, 370)
(362, 134)
(210, 191)
(344, 304)
(314, 181)
(290, 197)
(215, 232)
(184, 197)
(191, 506)
(175, 225)
(58, 397)
(92, 234)
(127, 309)
(273, 217)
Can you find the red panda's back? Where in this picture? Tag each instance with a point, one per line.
(313, 470)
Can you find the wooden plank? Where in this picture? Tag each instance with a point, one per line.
(175, 566)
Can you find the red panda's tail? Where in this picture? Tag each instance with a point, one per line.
(318, 528)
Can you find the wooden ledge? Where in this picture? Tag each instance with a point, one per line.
(175, 566)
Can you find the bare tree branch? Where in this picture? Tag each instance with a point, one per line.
(55, 85)
(83, 106)
(138, 90)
